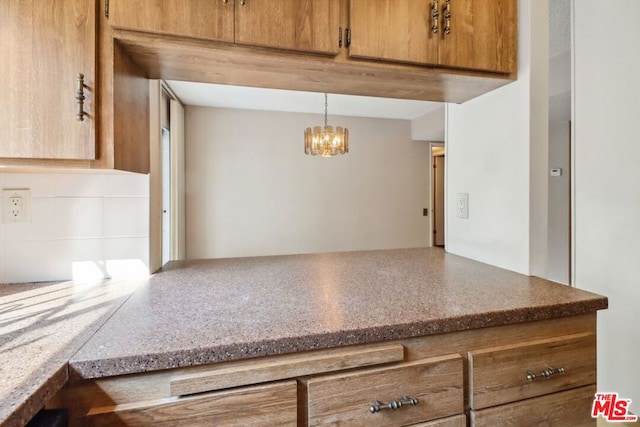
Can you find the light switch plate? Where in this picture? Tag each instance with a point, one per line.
(16, 205)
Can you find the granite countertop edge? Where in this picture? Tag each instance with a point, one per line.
(26, 410)
(143, 363)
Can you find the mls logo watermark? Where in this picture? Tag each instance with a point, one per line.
(612, 408)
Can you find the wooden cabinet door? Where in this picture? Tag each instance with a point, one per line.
(394, 30)
(304, 25)
(483, 35)
(43, 46)
(203, 19)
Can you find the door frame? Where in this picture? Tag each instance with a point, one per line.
(156, 90)
(432, 194)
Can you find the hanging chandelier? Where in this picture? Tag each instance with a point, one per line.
(324, 141)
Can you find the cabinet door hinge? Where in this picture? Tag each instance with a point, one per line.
(347, 38)
(106, 9)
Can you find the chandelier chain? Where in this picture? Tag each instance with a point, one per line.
(326, 108)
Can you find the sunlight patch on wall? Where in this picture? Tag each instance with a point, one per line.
(89, 271)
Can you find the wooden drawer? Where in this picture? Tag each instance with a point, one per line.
(498, 375)
(264, 405)
(567, 408)
(456, 421)
(437, 383)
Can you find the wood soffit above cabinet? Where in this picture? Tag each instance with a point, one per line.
(445, 50)
(172, 58)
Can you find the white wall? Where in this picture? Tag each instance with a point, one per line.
(558, 245)
(251, 190)
(429, 126)
(87, 224)
(497, 153)
(607, 182)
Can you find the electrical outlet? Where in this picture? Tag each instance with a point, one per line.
(462, 208)
(16, 205)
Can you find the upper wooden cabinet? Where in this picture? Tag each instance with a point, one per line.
(468, 34)
(304, 25)
(43, 46)
(395, 30)
(483, 35)
(204, 19)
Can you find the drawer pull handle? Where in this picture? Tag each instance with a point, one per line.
(546, 374)
(393, 405)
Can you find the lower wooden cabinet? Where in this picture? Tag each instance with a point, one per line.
(503, 374)
(264, 405)
(529, 374)
(545, 382)
(567, 408)
(425, 390)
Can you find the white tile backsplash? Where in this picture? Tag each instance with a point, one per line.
(40, 184)
(79, 185)
(1, 237)
(82, 223)
(79, 217)
(43, 225)
(127, 257)
(78, 255)
(2, 254)
(126, 216)
(33, 261)
(125, 185)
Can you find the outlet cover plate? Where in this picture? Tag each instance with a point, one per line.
(8, 213)
(462, 207)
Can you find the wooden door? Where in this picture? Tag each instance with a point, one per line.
(202, 19)
(483, 35)
(304, 25)
(394, 30)
(43, 46)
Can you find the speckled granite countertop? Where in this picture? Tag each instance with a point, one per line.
(41, 326)
(215, 310)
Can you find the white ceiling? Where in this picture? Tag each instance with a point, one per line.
(214, 95)
(225, 96)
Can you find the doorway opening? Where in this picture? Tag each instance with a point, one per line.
(166, 195)
(438, 237)
(167, 178)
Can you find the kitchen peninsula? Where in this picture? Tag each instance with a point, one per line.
(273, 339)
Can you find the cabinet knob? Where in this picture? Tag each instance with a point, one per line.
(393, 405)
(80, 98)
(546, 374)
(243, 2)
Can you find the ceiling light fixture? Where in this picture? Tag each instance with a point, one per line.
(323, 140)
